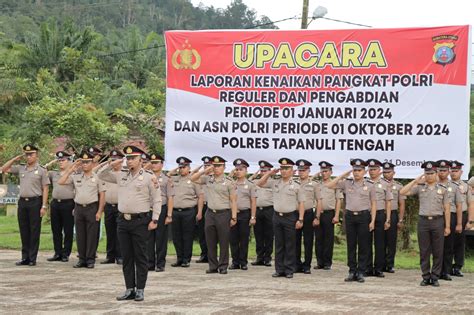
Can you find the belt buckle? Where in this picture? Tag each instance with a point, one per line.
(127, 216)
(59, 200)
(260, 208)
(27, 199)
(280, 214)
(84, 205)
(356, 212)
(213, 210)
(430, 218)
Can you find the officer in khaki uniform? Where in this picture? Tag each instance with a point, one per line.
(89, 200)
(62, 206)
(359, 216)
(246, 216)
(383, 197)
(188, 202)
(324, 222)
(221, 213)
(288, 202)
(396, 216)
(206, 160)
(138, 192)
(433, 223)
(263, 228)
(34, 190)
(459, 221)
(312, 203)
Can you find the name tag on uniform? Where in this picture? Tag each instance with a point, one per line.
(310, 183)
(450, 189)
(223, 183)
(246, 186)
(379, 185)
(140, 177)
(93, 180)
(189, 182)
(365, 188)
(36, 172)
(394, 187)
(160, 180)
(440, 191)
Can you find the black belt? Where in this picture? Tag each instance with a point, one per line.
(30, 198)
(134, 216)
(182, 209)
(242, 210)
(264, 208)
(431, 217)
(381, 210)
(357, 212)
(285, 214)
(328, 210)
(112, 204)
(310, 209)
(63, 200)
(218, 211)
(84, 205)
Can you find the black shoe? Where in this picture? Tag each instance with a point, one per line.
(257, 263)
(379, 274)
(151, 268)
(425, 282)
(211, 271)
(202, 260)
(369, 273)
(223, 271)
(139, 295)
(278, 274)
(350, 277)
(119, 261)
(23, 262)
(327, 268)
(244, 267)
(129, 294)
(289, 276)
(318, 267)
(159, 269)
(267, 264)
(177, 264)
(64, 259)
(360, 278)
(32, 263)
(108, 261)
(80, 264)
(90, 265)
(299, 270)
(54, 258)
(445, 277)
(390, 270)
(185, 265)
(307, 271)
(434, 282)
(457, 273)
(233, 267)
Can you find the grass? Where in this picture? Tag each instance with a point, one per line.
(10, 239)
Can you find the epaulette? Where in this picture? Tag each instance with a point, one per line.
(124, 170)
(368, 180)
(385, 180)
(149, 172)
(457, 184)
(444, 186)
(397, 182)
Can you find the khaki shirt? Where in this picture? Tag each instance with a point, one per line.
(218, 192)
(245, 192)
(383, 192)
(264, 196)
(186, 193)
(111, 192)
(61, 192)
(359, 195)
(136, 194)
(31, 181)
(397, 197)
(454, 195)
(166, 189)
(464, 196)
(312, 193)
(286, 196)
(432, 199)
(329, 197)
(87, 188)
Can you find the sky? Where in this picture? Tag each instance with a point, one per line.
(375, 13)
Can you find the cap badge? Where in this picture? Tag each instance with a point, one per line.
(129, 150)
(429, 165)
(216, 159)
(85, 156)
(27, 148)
(284, 162)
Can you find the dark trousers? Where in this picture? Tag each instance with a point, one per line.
(158, 242)
(62, 224)
(200, 230)
(263, 231)
(377, 238)
(357, 236)
(183, 229)
(431, 242)
(391, 241)
(133, 237)
(110, 219)
(86, 231)
(285, 241)
(460, 244)
(324, 233)
(217, 232)
(239, 238)
(449, 246)
(307, 233)
(29, 222)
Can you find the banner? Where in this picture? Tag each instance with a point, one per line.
(397, 95)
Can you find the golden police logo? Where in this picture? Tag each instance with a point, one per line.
(27, 148)
(187, 58)
(153, 157)
(128, 150)
(216, 160)
(284, 162)
(85, 156)
(444, 53)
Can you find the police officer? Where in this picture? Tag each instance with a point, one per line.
(158, 239)
(221, 214)
(326, 219)
(187, 210)
(206, 160)
(396, 217)
(288, 202)
(34, 190)
(138, 191)
(434, 206)
(359, 216)
(312, 193)
(111, 213)
(89, 200)
(62, 206)
(263, 228)
(246, 216)
(97, 158)
(383, 196)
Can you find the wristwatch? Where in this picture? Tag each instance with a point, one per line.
(234, 219)
(388, 221)
(300, 221)
(169, 216)
(43, 206)
(317, 217)
(155, 221)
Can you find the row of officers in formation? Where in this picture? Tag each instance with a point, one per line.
(139, 201)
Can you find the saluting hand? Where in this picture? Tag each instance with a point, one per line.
(18, 157)
(152, 225)
(208, 170)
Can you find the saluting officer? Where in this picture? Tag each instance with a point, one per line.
(383, 197)
(434, 206)
(89, 200)
(329, 216)
(396, 217)
(263, 228)
(187, 210)
(459, 222)
(312, 193)
(158, 240)
(34, 190)
(221, 214)
(62, 207)
(246, 216)
(288, 202)
(359, 216)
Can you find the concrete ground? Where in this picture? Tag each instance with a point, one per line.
(55, 287)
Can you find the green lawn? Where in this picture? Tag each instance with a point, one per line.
(10, 239)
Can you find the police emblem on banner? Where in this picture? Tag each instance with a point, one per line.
(444, 53)
(187, 58)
